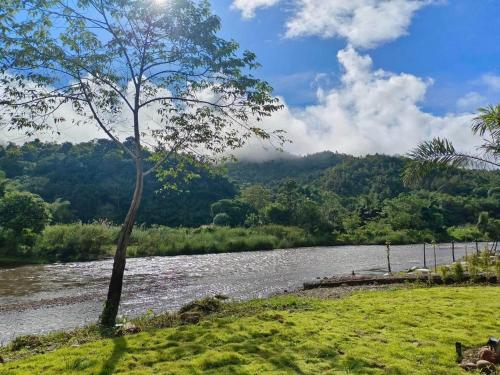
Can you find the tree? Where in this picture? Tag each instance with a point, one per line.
(308, 215)
(60, 211)
(235, 210)
(276, 213)
(490, 227)
(440, 153)
(256, 195)
(155, 72)
(22, 216)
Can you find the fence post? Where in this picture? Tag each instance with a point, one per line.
(388, 245)
(453, 250)
(435, 260)
(425, 260)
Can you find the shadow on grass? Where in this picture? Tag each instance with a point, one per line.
(119, 348)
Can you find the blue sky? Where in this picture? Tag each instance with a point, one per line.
(365, 76)
(453, 42)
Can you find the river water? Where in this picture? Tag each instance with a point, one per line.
(43, 298)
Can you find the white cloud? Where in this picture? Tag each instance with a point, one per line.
(492, 81)
(248, 7)
(80, 127)
(363, 23)
(471, 101)
(371, 111)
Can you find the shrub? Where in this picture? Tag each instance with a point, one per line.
(485, 260)
(473, 266)
(76, 242)
(458, 272)
(446, 274)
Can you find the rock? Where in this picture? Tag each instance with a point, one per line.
(486, 354)
(130, 328)
(468, 366)
(422, 270)
(486, 367)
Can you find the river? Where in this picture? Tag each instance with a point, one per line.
(44, 298)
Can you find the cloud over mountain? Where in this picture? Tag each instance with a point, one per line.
(369, 111)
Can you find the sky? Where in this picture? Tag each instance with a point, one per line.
(367, 76)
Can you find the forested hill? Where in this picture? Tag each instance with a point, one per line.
(351, 176)
(97, 178)
(302, 169)
(94, 181)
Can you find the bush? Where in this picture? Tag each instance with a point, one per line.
(458, 272)
(235, 211)
(445, 274)
(76, 242)
(473, 266)
(22, 217)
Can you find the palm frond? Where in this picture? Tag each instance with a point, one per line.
(438, 154)
(488, 121)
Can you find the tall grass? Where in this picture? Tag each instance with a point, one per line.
(82, 242)
(75, 242)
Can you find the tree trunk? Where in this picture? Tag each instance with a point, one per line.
(108, 318)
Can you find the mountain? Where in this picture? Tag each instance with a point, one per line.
(304, 169)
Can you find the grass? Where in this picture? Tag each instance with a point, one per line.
(400, 331)
(85, 242)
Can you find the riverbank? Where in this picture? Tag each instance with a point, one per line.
(87, 242)
(409, 330)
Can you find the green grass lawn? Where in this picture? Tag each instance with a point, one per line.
(400, 331)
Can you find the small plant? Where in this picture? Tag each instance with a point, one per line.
(485, 261)
(446, 274)
(29, 342)
(458, 272)
(473, 266)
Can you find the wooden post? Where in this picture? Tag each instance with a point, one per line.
(459, 350)
(425, 260)
(388, 245)
(435, 260)
(453, 250)
(466, 255)
(477, 248)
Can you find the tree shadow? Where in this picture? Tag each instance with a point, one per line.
(119, 348)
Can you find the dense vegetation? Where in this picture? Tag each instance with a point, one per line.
(95, 178)
(410, 331)
(325, 198)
